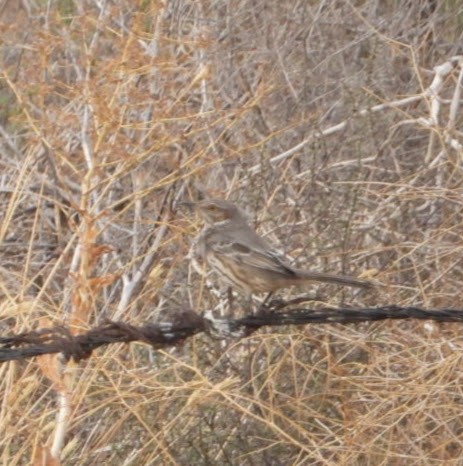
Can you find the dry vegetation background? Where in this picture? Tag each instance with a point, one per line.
(111, 111)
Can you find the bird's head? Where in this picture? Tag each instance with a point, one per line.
(214, 211)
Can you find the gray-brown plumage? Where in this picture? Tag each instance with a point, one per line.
(232, 248)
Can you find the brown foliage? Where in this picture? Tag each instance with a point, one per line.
(327, 122)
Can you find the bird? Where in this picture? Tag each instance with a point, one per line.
(231, 247)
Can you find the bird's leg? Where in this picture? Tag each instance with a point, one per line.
(267, 298)
(266, 303)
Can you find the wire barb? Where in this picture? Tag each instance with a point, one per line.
(185, 323)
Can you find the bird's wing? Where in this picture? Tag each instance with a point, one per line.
(252, 257)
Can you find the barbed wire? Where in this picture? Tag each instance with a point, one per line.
(185, 323)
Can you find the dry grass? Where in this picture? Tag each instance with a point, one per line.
(327, 123)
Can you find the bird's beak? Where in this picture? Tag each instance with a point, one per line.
(189, 205)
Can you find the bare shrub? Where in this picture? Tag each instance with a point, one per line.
(336, 125)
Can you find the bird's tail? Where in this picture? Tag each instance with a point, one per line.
(329, 278)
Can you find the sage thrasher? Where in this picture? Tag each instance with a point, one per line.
(246, 261)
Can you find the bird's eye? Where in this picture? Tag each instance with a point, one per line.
(211, 207)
